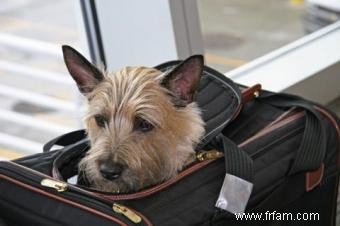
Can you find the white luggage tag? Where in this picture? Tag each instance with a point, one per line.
(234, 194)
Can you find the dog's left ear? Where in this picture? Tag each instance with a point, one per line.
(184, 79)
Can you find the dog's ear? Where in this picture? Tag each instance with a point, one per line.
(184, 79)
(85, 74)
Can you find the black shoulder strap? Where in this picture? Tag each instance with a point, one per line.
(237, 161)
(311, 151)
(313, 145)
(65, 139)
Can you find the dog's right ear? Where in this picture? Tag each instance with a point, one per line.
(184, 79)
(85, 74)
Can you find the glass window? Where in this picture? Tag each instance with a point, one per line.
(236, 32)
(36, 94)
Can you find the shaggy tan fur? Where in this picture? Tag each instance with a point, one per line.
(150, 158)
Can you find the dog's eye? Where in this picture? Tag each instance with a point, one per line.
(100, 120)
(143, 125)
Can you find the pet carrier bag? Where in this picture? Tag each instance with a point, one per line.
(286, 147)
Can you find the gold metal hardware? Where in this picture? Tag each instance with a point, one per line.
(208, 155)
(57, 185)
(132, 216)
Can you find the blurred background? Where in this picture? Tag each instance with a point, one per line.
(38, 100)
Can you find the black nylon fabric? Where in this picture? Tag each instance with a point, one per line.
(273, 154)
(197, 194)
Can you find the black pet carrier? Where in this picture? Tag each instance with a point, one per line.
(287, 147)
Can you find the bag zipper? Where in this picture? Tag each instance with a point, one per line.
(202, 156)
(127, 212)
(264, 150)
(277, 125)
(57, 185)
(36, 178)
(291, 111)
(60, 186)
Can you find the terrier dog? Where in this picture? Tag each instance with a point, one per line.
(143, 124)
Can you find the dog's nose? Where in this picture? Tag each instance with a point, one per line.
(111, 171)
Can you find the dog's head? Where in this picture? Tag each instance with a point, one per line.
(142, 124)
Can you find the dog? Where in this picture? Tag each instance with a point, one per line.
(143, 124)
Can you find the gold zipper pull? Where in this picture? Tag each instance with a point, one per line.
(118, 208)
(57, 185)
(208, 155)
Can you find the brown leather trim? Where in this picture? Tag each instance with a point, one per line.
(313, 178)
(159, 187)
(248, 94)
(267, 129)
(284, 115)
(42, 192)
(146, 220)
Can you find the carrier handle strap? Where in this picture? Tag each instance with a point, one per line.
(312, 149)
(237, 161)
(66, 139)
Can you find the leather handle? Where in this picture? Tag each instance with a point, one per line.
(248, 94)
(313, 178)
